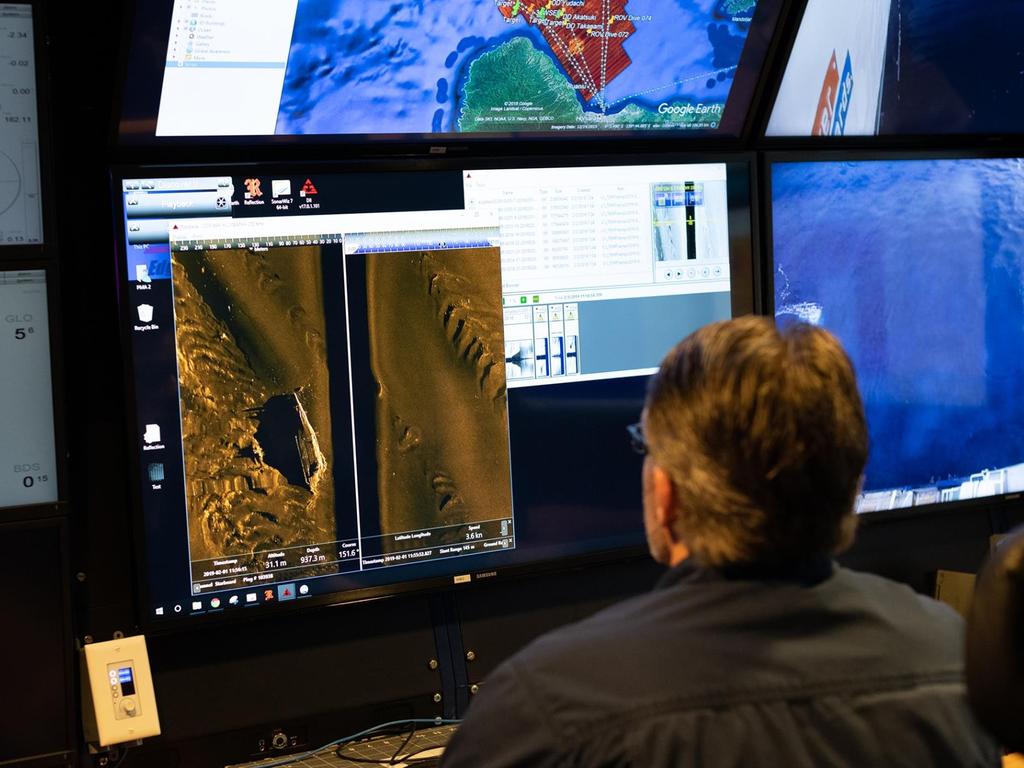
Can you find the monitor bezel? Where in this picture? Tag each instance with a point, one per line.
(137, 24)
(744, 247)
(768, 161)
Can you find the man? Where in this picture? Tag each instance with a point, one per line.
(756, 649)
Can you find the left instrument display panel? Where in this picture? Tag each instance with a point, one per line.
(20, 198)
(28, 457)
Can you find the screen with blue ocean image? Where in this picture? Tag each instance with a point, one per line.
(918, 267)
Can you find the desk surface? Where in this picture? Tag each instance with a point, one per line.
(425, 743)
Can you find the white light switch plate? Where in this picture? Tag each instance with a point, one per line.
(120, 704)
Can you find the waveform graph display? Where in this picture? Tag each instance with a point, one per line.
(437, 357)
(520, 359)
(253, 380)
(10, 184)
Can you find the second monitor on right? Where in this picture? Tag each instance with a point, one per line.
(917, 265)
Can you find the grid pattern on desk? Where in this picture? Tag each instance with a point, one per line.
(380, 748)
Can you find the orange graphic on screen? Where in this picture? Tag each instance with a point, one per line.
(252, 188)
(826, 102)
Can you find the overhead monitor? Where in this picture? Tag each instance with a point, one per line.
(28, 461)
(917, 266)
(20, 201)
(333, 403)
(419, 71)
(890, 67)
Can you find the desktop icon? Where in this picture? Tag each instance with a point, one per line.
(251, 597)
(197, 605)
(308, 189)
(281, 187)
(177, 609)
(268, 595)
(159, 611)
(142, 273)
(304, 589)
(233, 600)
(156, 473)
(215, 602)
(285, 591)
(252, 189)
(145, 313)
(152, 434)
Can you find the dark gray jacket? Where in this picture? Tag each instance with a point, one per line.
(815, 666)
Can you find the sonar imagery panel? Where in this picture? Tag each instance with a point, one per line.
(434, 322)
(256, 417)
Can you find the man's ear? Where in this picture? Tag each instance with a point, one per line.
(664, 498)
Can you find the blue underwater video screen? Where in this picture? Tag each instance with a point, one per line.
(918, 267)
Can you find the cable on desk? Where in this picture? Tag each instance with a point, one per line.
(394, 759)
(292, 759)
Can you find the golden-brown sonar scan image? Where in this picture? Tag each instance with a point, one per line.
(436, 352)
(253, 382)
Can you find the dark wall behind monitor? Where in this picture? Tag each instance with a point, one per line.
(35, 643)
(84, 44)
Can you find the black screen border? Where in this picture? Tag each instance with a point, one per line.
(134, 124)
(743, 248)
(767, 270)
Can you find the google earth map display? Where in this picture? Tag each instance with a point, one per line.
(917, 267)
(511, 65)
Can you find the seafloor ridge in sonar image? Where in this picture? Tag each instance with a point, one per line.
(436, 351)
(253, 379)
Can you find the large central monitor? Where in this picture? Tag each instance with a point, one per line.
(917, 265)
(217, 68)
(350, 384)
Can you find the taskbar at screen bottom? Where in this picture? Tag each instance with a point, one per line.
(266, 568)
(348, 588)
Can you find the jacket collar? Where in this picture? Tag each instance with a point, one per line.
(807, 572)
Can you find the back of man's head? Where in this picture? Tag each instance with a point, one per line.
(762, 433)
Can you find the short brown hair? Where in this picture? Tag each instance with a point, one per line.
(763, 434)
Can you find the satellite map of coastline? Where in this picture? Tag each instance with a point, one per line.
(436, 66)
